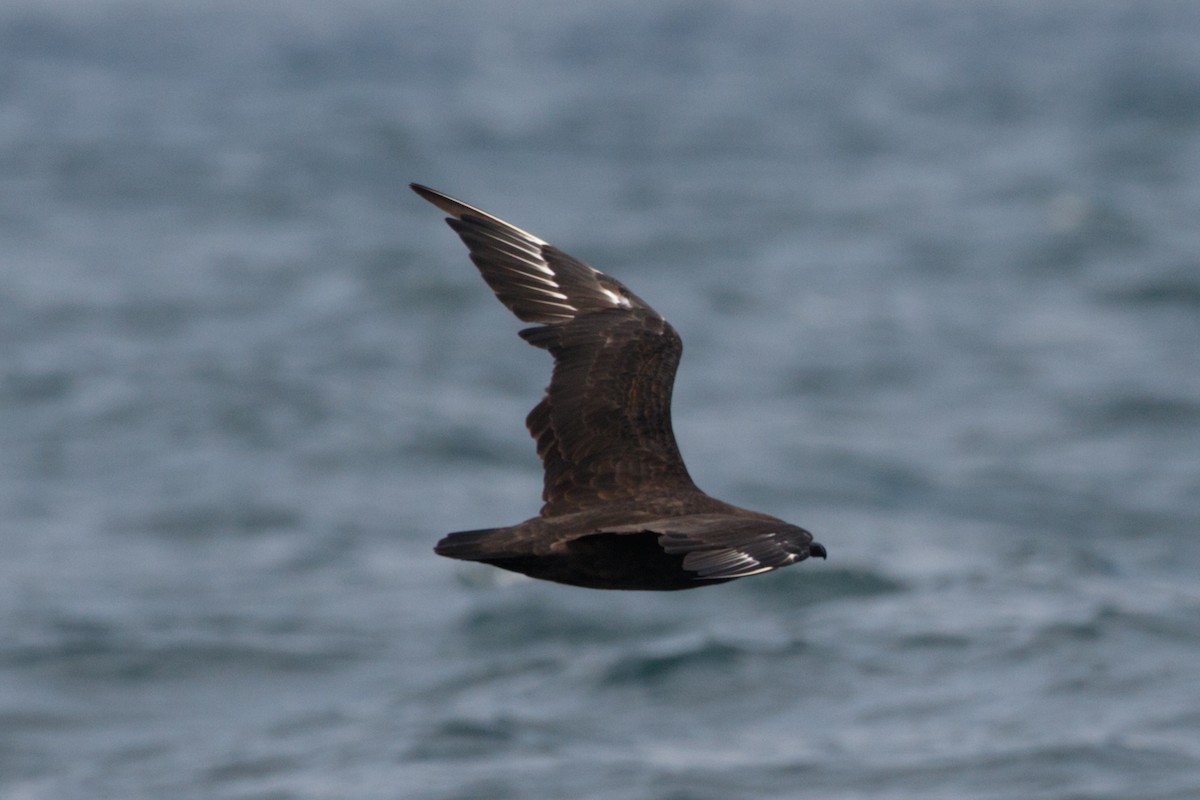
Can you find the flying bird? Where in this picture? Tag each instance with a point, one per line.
(619, 508)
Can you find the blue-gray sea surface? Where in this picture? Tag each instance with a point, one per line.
(937, 270)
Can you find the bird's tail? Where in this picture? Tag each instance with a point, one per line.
(477, 545)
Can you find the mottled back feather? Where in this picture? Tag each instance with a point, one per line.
(603, 429)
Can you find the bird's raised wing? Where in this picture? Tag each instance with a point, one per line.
(603, 429)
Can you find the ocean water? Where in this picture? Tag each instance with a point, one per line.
(937, 270)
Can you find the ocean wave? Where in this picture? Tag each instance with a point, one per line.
(81, 648)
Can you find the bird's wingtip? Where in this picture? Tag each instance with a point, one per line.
(423, 190)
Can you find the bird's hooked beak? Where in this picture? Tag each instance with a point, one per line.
(816, 549)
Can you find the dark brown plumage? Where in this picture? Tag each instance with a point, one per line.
(620, 510)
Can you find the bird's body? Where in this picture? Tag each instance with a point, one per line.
(620, 510)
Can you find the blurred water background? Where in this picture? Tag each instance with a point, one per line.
(937, 270)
